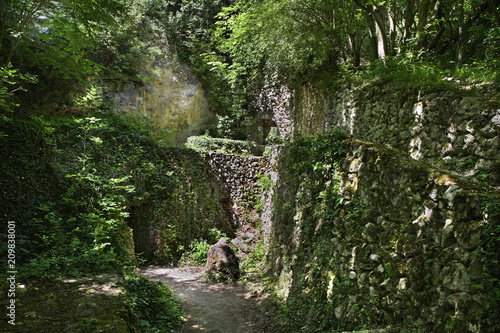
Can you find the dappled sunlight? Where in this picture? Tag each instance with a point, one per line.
(210, 307)
(416, 141)
(353, 119)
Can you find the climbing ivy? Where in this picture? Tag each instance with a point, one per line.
(76, 185)
(312, 166)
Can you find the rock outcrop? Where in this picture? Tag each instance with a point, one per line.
(222, 262)
(174, 99)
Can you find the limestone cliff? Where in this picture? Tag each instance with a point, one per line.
(174, 98)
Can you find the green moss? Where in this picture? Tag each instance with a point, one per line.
(311, 171)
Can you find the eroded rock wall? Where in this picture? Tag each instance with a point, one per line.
(173, 98)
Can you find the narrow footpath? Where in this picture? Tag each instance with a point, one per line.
(212, 308)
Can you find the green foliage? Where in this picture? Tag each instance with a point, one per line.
(265, 183)
(198, 249)
(318, 156)
(292, 38)
(232, 126)
(189, 27)
(22, 22)
(276, 41)
(152, 306)
(207, 143)
(253, 267)
(76, 185)
(319, 284)
(9, 78)
(273, 138)
(52, 40)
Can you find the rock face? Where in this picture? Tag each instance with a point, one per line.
(222, 262)
(239, 174)
(237, 181)
(174, 99)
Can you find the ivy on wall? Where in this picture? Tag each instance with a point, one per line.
(71, 184)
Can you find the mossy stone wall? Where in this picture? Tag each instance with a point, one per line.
(458, 129)
(380, 241)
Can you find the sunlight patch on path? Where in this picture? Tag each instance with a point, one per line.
(212, 308)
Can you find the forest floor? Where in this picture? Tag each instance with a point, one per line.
(213, 307)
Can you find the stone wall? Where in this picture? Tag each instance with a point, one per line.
(177, 208)
(236, 177)
(275, 104)
(456, 130)
(401, 251)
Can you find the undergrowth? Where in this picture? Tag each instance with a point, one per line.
(206, 143)
(152, 306)
(196, 253)
(76, 186)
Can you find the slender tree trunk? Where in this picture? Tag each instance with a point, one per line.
(372, 35)
(4, 23)
(423, 14)
(381, 44)
(409, 16)
(460, 35)
(355, 46)
(384, 43)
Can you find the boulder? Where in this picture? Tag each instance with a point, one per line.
(222, 262)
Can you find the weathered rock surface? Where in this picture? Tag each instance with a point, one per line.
(236, 178)
(222, 262)
(174, 99)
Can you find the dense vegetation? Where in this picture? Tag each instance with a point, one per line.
(76, 178)
(72, 184)
(311, 270)
(239, 47)
(75, 186)
(152, 306)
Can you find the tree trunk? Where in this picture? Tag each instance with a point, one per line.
(460, 35)
(4, 23)
(372, 35)
(423, 14)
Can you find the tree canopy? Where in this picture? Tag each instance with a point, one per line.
(321, 34)
(238, 46)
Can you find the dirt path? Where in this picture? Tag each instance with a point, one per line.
(212, 308)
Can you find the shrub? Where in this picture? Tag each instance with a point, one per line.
(206, 143)
(152, 305)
